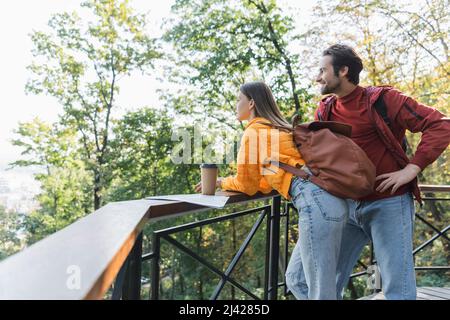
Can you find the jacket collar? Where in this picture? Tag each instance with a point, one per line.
(254, 120)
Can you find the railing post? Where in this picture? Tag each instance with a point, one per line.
(374, 278)
(274, 247)
(118, 284)
(156, 243)
(132, 284)
(267, 257)
(286, 244)
(372, 254)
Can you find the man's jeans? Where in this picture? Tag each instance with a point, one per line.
(389, 224)
(312, 269)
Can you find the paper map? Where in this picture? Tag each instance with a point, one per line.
(203, 200)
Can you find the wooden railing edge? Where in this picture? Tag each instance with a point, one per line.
(36, 288)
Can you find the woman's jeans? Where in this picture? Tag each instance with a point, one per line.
(312, 269)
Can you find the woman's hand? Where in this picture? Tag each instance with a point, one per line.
(198, 186)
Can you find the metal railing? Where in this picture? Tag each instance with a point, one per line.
(272, 215)
(269, 213)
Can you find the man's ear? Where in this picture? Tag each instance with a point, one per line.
(343, 72)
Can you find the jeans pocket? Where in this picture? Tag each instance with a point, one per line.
(294, 193)
(296, 189)
(331, 207)
(302, 206)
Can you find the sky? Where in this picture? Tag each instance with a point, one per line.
(18, 19)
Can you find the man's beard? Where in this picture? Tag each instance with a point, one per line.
(326, 89)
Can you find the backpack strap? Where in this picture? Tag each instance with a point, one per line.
(381, 109)
(286, 167)
(295, 171)
(327, 104)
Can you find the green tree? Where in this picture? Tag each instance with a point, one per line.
(220, 45)
(10, 241)
(65, 182)
(80, 64)
(140, 157)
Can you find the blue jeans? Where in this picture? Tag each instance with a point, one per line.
(389, 224)
(312, 269)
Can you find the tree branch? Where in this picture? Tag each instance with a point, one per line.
(94, 122)
(109, 105)
(416, 41)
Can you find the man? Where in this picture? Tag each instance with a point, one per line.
(386, 216)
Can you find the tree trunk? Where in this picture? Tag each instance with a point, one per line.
(294, 89)
(97, 197)
(287, 60)
(97, 189)
(431, 205)
(182, 288)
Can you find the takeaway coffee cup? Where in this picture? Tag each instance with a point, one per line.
(209, 178)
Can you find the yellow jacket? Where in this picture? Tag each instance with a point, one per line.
(259, 144)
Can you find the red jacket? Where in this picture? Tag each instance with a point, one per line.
(404, 113)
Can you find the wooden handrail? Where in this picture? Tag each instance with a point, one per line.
(93, 248)
(434, 188)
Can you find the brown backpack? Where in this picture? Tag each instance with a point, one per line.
(338, 164)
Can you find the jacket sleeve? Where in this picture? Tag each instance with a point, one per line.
(435, 128)
(248, 177)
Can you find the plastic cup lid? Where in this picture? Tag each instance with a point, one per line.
(208, 165)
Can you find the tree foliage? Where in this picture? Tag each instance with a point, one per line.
(80, 64)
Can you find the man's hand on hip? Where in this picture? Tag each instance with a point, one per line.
(397, 179)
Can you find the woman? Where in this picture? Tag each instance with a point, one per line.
(311, 273)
